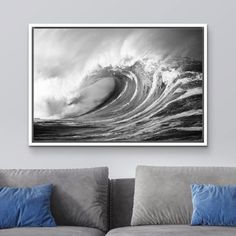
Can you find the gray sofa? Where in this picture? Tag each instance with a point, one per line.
(116, 201)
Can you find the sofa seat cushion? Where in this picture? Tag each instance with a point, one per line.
(52, 231)
(170, 230)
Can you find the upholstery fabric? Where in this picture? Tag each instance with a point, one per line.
(214, 205)
(29, 207)
(173, 230)
(121, 202)
(163, 194)
(79, 198)
(55, 231)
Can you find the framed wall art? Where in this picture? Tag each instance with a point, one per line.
(118, 85)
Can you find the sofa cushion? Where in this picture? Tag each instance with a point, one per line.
(214, 205)
(26, 207)
(79, 197)
(170, 230)
(55, 231)
(163, 194)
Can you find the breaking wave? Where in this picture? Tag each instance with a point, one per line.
(144, 100)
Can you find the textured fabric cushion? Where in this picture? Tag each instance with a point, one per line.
(173, 230)
(163, 194)
(79, 198)
(214, 205)
(29, 207)
(55, 231)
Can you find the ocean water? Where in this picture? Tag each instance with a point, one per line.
(146, 100)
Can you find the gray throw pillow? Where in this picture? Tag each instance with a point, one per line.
(79, 196)
(163, 194)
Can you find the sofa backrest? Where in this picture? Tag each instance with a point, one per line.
(79, 198)
(71, 185)
(121, 202)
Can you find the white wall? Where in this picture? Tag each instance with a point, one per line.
(14, 18)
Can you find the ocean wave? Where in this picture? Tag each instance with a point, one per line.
(144, 100)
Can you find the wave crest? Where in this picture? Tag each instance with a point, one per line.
(137, 100)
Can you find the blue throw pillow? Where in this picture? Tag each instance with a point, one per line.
(214, 205)
(22, 207)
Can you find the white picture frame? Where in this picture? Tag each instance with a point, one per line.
(32, 142)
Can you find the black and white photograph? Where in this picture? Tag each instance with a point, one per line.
(118, 85)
